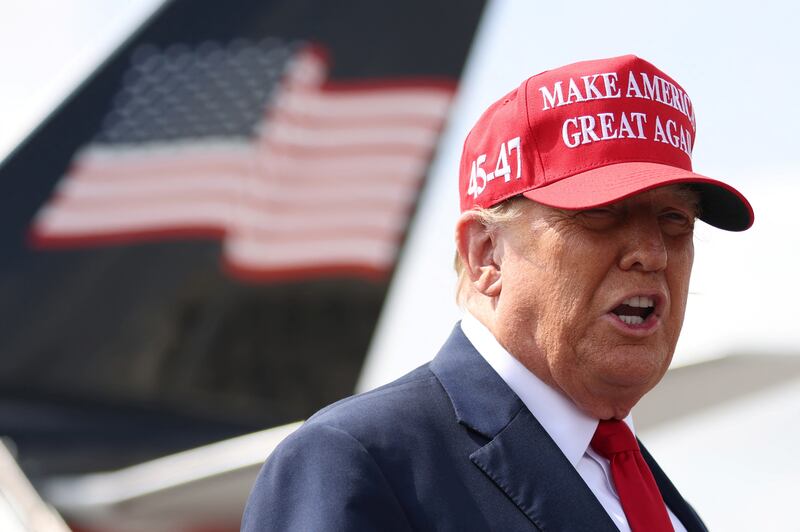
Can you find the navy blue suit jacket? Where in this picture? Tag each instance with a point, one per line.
(447, 447)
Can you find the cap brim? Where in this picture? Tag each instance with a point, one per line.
(721, 205)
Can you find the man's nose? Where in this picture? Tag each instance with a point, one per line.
(644, 248)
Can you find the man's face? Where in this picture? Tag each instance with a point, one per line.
(593, 301)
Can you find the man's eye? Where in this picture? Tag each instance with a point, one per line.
(678, 220)
(675, 216)
(597, 213)
(599, 219)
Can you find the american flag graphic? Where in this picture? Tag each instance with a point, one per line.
(250, 143)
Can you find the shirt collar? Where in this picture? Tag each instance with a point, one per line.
(569, 427)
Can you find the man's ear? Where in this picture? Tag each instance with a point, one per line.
(476, 246)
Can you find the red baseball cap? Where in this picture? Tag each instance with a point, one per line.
(589, 134)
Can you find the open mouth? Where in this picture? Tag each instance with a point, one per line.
(635, 310)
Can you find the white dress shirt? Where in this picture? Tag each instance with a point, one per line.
(569, 427)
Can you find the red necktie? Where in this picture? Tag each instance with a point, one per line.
(635, 484)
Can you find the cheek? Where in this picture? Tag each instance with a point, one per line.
(567, 302)
(550, 282)
(580, 282)
(533, 303)
(679, 276)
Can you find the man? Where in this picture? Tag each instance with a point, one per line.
(574, 250)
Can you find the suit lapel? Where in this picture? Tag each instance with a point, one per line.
(520, 457)
(528, 466)
(672, 498)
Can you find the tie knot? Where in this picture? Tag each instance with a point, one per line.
(613, 436)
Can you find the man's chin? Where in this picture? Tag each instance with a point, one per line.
(607, 407)
(616, 394)
(635, 366)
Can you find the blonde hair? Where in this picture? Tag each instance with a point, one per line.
(492, 218)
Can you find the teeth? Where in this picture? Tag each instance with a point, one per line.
(640, 302)
(632, 320)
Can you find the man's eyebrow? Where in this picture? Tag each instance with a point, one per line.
(689, 195)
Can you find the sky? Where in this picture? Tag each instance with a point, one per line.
(737, 60)
(43, 58)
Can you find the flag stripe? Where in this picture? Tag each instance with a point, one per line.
(322, 252)
(153, 162)
(291, 193)
(378, 253)
(213, 213)
(364, 137)
(398, 105)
